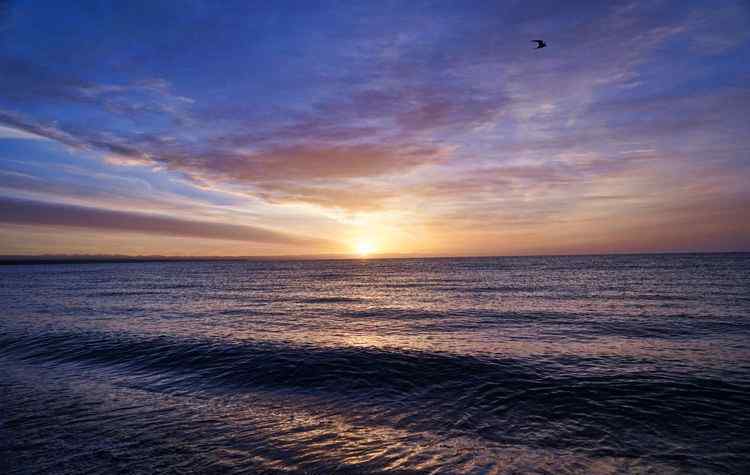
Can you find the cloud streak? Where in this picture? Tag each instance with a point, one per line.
(38, 213)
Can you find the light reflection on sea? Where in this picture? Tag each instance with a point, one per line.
(486, 365)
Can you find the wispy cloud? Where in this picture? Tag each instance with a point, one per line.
(27, 212)
(442, 116)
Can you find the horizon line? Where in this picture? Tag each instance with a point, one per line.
(20, 259)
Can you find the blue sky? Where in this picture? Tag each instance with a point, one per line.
(415, 127)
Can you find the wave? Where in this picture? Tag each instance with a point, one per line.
(560, 399)
(323, 300)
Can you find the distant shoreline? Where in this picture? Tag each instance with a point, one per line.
(46, 259)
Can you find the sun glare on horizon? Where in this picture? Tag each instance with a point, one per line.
(365, 248)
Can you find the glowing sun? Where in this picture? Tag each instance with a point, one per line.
(365, 248)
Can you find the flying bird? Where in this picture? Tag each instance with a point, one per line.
(539, 44)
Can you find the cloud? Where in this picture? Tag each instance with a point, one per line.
(16, 134)
(321, 163)
(20, 125)
(26, 82)
(318, 167)
(27, 212)
(435, 107)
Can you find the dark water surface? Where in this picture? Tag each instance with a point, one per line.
(627, 364)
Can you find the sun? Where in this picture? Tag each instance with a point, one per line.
(365, 248)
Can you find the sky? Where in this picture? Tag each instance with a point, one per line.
(387, 127)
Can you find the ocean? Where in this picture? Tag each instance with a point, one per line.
(588, 364)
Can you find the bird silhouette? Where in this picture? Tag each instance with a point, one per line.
(539, 44)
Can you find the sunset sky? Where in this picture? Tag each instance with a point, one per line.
(405, 127)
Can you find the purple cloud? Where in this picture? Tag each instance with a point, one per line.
(38, 213)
